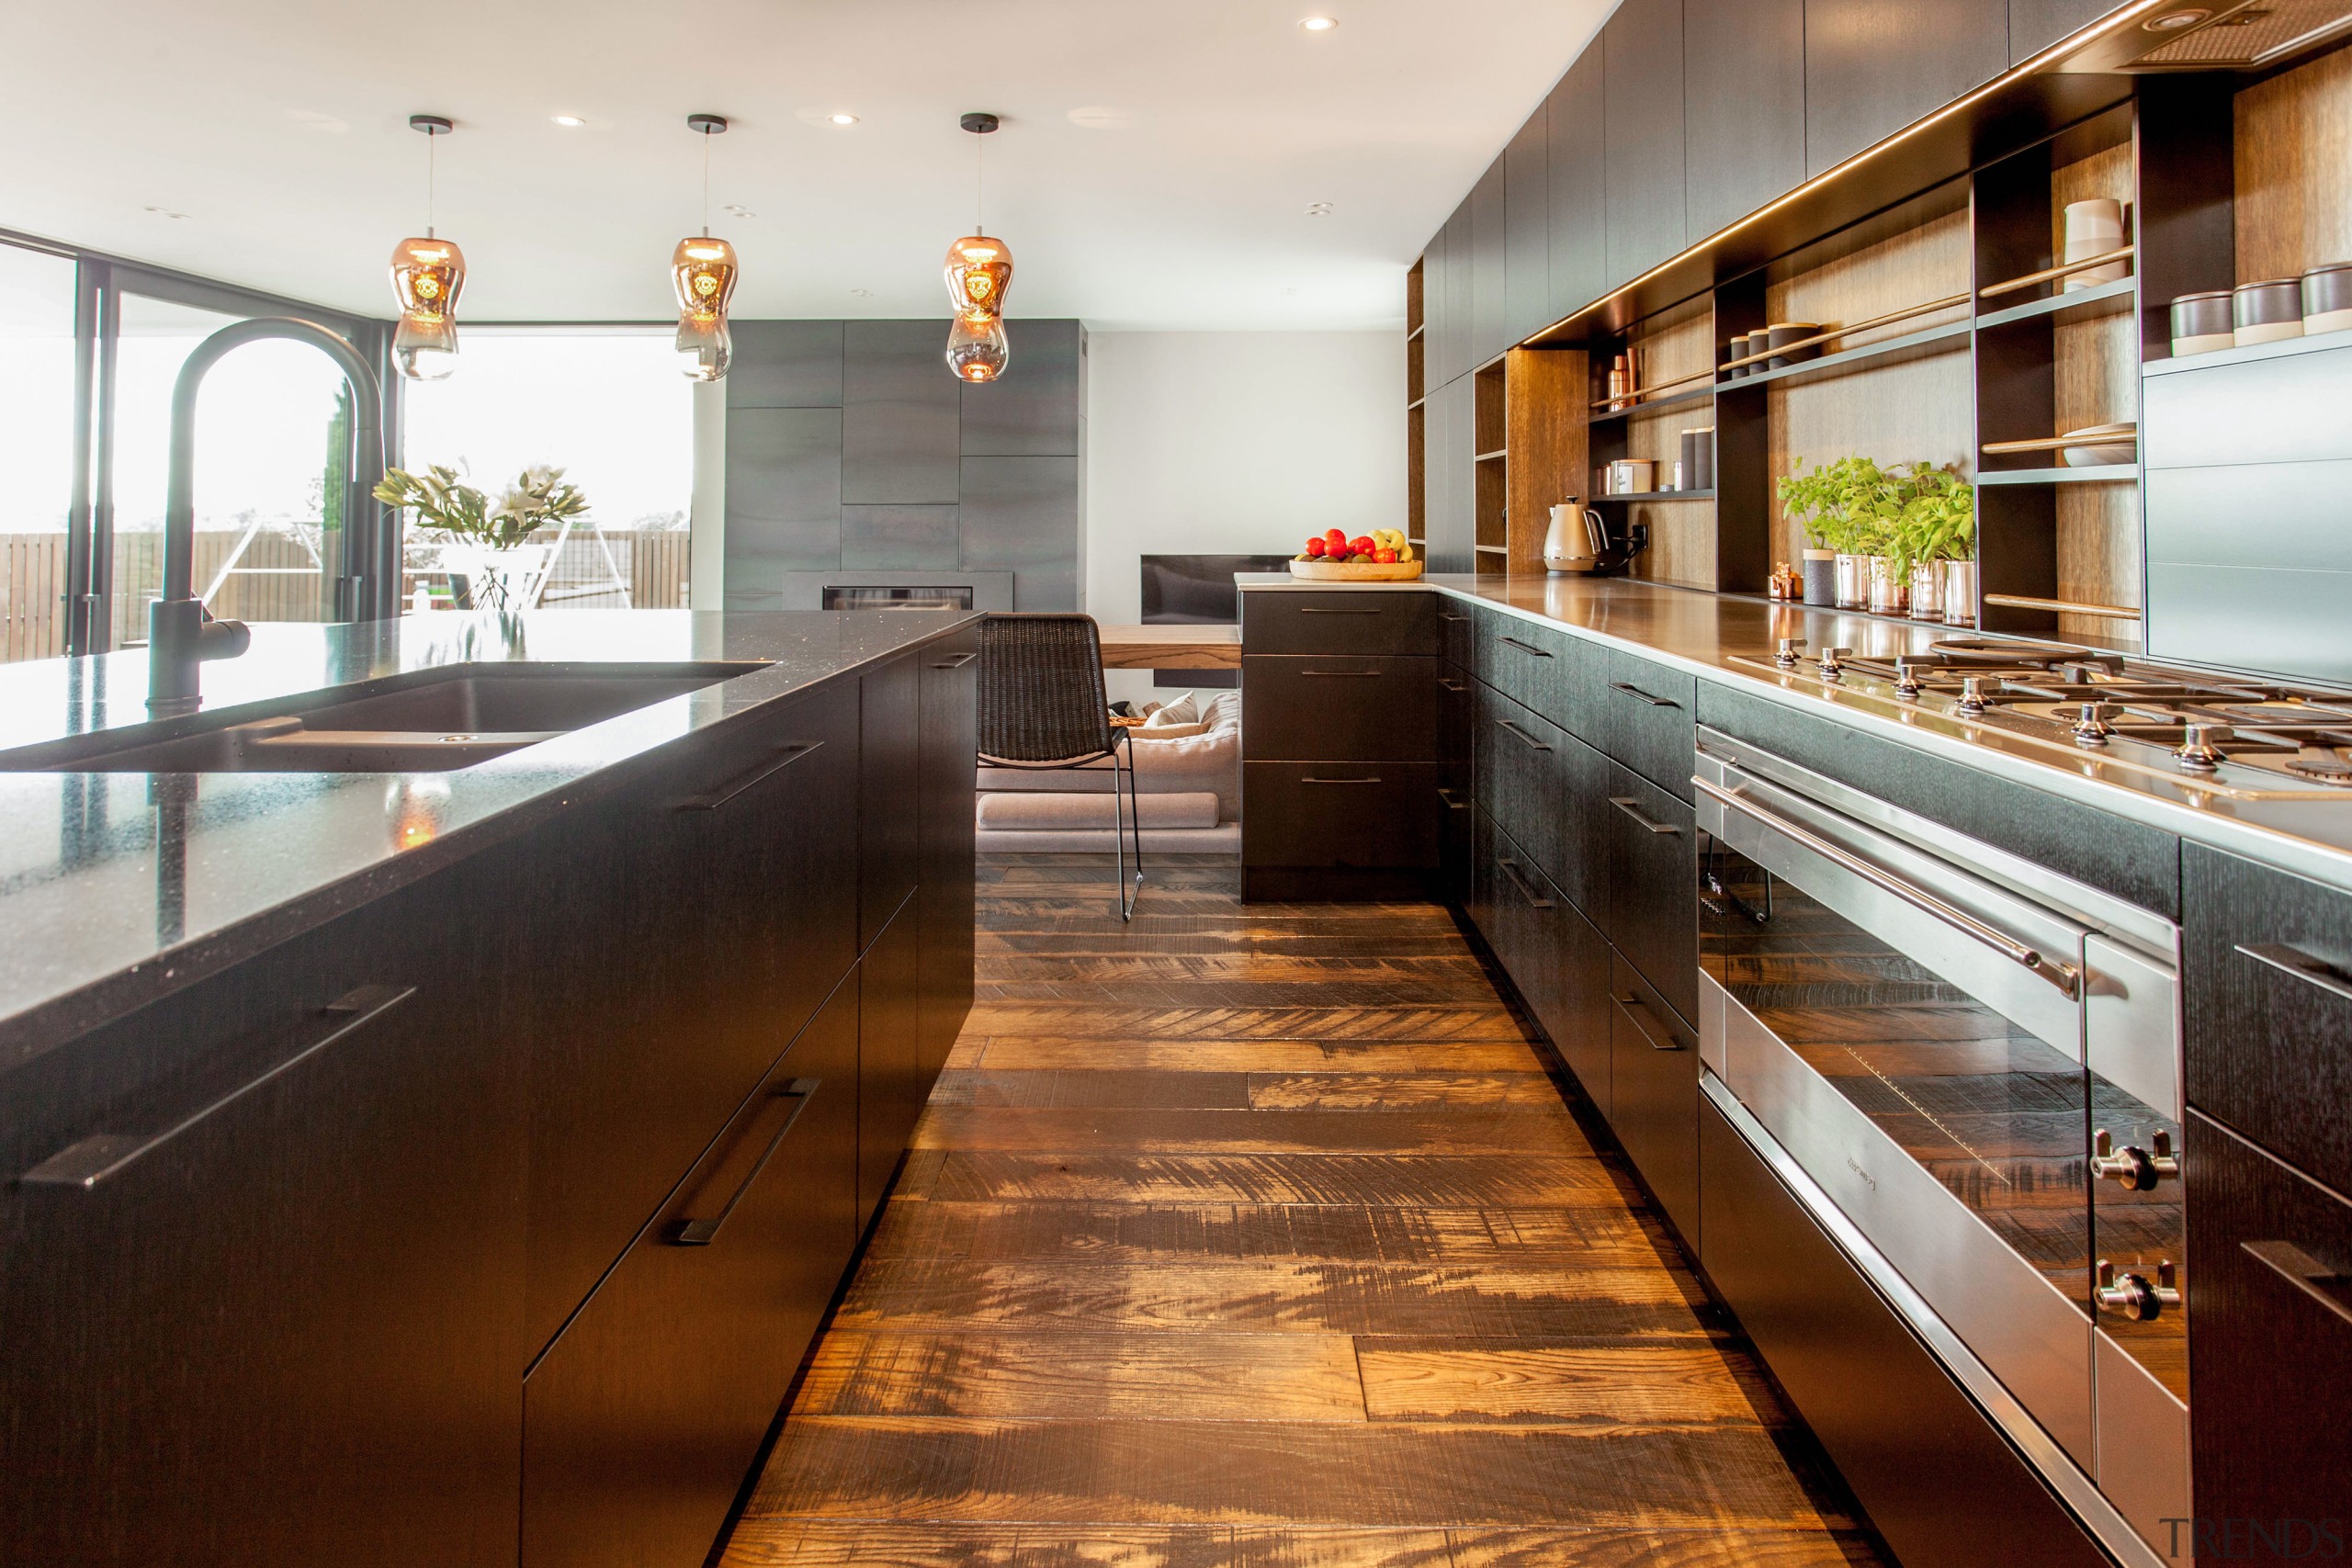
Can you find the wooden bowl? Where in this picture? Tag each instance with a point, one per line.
(1356, 571)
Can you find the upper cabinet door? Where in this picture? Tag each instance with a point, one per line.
(1578, 218)
(1433, 314)
(1526, 261)
(2035, 25)
(1489, 248)
(1873, 66)
(1743, 97)
(1461, 270)
(1641, 48)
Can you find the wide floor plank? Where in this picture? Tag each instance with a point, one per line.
(1260, 1236)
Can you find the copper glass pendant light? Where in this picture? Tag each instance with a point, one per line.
(427, 276)
(704, 270)
(980, 271)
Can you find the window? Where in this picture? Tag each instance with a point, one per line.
(37, 294)
(609, 406)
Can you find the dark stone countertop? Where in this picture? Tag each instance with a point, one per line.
(1731, 640)
(91, 923)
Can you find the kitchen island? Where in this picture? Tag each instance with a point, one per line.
(1959, 1003)
(406, 1165)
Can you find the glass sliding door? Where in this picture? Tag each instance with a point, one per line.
(36, 442)
(272, 439)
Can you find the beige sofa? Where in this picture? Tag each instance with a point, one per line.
(1188, 795)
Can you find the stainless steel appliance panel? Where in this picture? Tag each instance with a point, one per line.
(2131, 1023)
(2143, 1443)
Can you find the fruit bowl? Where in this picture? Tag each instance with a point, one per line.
(1356, 571)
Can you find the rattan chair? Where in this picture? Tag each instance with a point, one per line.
(1043, 706)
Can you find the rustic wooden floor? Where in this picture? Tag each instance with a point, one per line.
(1258, 1236)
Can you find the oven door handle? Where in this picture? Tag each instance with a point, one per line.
(2065, 976)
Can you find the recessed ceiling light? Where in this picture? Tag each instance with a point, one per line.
(568, 120)
(737, 210)
(1319, 209)
(1319, 24)
(841, 118)
(167, 212)
(2173, 21)
(861, 294)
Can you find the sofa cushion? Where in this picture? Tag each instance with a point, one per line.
(1036, 809)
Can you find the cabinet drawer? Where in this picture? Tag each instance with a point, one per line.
(1548, 790)
(1457, 717)
(1654, 1103)
(641, 1419)
(1339, 814)
(1645, 715)
(1368, 620)
(2270, 1337)
(1653, 887)
(2266, 982)
(1313, 707)
(1533, 665)
(1556, 960)
(1457, 633)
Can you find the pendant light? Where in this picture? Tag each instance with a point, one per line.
(704, 270)
(980, 271)
(427, 276)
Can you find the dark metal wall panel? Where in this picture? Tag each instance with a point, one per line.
(2035, 25)
(1034, 411)
(1873, 66)
(784, 499)
(1490, 252)
(1642, 55)
(785, 365)
(900, 419)
(1578, 218)
(1743, 97)
(1527, 259)
(1022, 514)
(898, 538)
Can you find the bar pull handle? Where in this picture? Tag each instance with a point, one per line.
(758, 775)
(1645, 696)
(1311, 610)
(1534, 900)
(1530, 742)
(2327, 1286)
(1526, 647)
(1632, 808)
(105, 1156)
(1375, 779)
(2302, 965)
(702, 1232)
(1452, 798)
(1449, 616)
(1343, 675)
(1631, 1000)
(2065, 976)
(955, 663)
(1452, 684)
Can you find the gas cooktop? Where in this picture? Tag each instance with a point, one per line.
(2250, 739)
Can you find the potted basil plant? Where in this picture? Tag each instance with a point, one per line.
(1848, 509)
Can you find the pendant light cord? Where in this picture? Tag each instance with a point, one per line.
(705, 185)
(979, 178)
(432, 149)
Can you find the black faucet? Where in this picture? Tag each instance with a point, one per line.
(180, 634)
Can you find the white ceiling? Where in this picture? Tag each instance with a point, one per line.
(1154, 169)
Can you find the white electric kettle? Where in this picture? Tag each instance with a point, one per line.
(1577, 541)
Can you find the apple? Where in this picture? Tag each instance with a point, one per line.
(1361, 545)
(1385, 557)
(1315, 548)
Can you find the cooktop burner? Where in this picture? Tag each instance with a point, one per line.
(2217, 734)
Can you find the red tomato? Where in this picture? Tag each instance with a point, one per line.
(1314, 547)
(1361, 545)
(1385, 557)
(1336, 540)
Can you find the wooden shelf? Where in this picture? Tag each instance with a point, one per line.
(2285, 348)
(1945, 339)
(1492, 549)
(1414, 333)
(1497, 456)
(1659, 405)
(2104, 473)
(1417, 402)
(2101, 300)
(1659, 495)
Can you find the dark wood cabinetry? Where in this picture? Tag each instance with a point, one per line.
(2035, 25)
(642, 1417)
(892, 1080)
(1743, 95)
(1490, 262)
(1873, 66)
(1457, 720)
(1644, 715)
(1654, 1094)
(1653, 887)
(2271, 1351)
(1536, 666)
(947, 749)
(890, 852)
(1341, 622)
(1451, 498)
(1527, 251)
(1457, 324)
(1575, 125)
(1305, 706)
(1558, 962)
(1643, 136)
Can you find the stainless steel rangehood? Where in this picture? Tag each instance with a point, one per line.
(2220, 35)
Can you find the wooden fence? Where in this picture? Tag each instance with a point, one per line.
(278, 580)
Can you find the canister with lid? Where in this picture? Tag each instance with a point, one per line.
(2200, 322)
(2266, 311)
(2327, 299)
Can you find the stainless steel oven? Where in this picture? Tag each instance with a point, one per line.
(1977, 1062)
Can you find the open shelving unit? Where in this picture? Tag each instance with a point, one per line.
(1416, 525)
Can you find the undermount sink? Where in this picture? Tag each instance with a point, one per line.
(425, 721)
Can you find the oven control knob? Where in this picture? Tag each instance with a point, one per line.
(1972, 695)
(2091, 728)
(2136, 1296)
(1830, 665)
(1787, 658)
(2198, 754)
(1906, 678)
(2137, 1169)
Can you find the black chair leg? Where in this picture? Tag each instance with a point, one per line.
(1131, 820)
